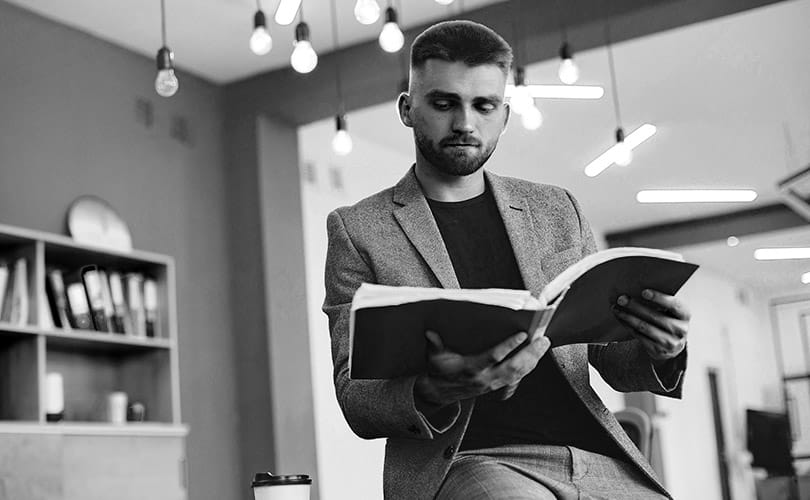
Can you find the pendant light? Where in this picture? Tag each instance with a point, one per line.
(303, 58)
(367, 11)
(520, 99)
(342, 141)
(166, 83)
(260, 40)
(621, 153)
(444, 2)
(568, 70)
(391, 37)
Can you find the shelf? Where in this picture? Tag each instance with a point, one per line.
(10, 331)
(93, 428)
(102, 341)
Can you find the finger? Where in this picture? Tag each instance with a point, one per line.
(643, 329)
(519, 365)
(508, 391)
(646, 313)
(669, 303)
(434, 341)
(500, 351)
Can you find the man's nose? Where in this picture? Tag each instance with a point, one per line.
(464, 120)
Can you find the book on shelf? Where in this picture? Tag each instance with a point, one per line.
(387, 324)
(150, 307)
(79, 308)
(121, 319)
(57, 299)
(100, 311)
(134, 287)
(4, 273)
(16, 305)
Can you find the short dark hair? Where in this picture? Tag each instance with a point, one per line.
(461, 41)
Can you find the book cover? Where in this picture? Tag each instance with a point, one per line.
(91, 277)
(150, 307)
(79, 308)
(4, 274)
(387, 324)
(134, 287)
(18, 314)
(57, 299)
(121, 319)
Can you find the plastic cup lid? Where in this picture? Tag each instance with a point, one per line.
(268, 479)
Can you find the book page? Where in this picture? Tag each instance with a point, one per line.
(372, 295)
(563, 280)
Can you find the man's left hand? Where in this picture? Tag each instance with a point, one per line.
(658, 320)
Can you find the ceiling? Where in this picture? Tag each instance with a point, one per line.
(730, 98)
(210, 37)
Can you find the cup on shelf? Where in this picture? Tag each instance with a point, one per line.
(267, 486)
(136, 412)
(54, 397)
(117, 407)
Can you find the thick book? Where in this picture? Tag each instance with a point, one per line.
(57, 299)
(387, 324)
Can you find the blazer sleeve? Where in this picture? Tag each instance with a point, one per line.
(372, 408)
(625, 366)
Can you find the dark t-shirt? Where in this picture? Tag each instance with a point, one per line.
(544, 409)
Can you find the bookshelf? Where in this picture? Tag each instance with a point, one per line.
(92, 364)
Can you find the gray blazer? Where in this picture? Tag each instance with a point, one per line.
(391, 238)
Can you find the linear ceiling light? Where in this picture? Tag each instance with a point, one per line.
(696, 196)
(286, 11)
(630, 142)
(782, 253)
(561, 91)
(806, 278)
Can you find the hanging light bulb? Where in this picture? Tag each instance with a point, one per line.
(444, 2)
(260, 40)
(366, 11)
(532, 118)
(303, 58)
(622, 153)
(391, 38)
(521, 99)
(342, 142)
(166, 83)
(568, 72)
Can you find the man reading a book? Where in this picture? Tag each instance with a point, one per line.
(519, 420)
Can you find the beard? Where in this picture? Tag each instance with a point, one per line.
(456, 162)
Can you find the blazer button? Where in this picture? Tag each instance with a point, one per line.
(414, 429)
(448, 452)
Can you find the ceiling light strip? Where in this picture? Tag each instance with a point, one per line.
(286, 11)
(632, 141)
(782, 253)
(696, 196)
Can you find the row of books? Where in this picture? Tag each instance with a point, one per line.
(104, 300)
(14, 292)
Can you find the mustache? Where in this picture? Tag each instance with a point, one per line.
(460, 139)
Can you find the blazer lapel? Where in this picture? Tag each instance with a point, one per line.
(517, 218)
(416, 220)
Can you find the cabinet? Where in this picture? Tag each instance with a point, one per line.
(92, 364)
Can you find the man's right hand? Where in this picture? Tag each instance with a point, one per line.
(453, 377)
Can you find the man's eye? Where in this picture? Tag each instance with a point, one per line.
(487, 107)
(442, 104)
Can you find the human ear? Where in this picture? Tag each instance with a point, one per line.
(507, 114)
(404, 108)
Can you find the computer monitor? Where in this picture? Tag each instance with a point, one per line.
(770, 442)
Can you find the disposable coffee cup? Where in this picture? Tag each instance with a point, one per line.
(266, 486)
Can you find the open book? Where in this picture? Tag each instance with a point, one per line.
(388, 323)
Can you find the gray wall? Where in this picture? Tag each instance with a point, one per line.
(68, 128)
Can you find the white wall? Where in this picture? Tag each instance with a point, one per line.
(729, 331)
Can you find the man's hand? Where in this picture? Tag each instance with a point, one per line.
(453, 377)
(658, 320)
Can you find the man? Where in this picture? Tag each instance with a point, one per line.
(519, 420)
